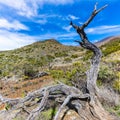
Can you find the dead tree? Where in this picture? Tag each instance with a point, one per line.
(87, 105)
(92, 73)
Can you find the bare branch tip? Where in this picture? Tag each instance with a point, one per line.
(95, 7)
(106, 5)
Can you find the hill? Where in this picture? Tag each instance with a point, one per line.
(106, 40)
(32, 58)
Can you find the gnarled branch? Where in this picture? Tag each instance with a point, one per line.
(94, 13)
(85, 43)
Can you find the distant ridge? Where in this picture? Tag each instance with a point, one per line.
(50, 40)
(106, 40)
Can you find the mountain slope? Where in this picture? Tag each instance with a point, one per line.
(32, 58)
(107, 40)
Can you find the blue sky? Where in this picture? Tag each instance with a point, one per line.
(23, 22)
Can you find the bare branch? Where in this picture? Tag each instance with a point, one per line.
(94, 13)
(74, 26)
(101, 9)
(95, 7)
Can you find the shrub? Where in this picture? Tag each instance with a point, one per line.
(99, 83)
(115, 110)
(87, 55)
(74, 56)
(67, 59)
(106, 75)
(111, 47)
(61, 54)
(50, 57)
(48, 114)
(77, 64)
(116, 83)
(57, 74)
(29, 71)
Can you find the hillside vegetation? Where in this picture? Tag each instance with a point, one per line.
(59, 60)
(26, 61)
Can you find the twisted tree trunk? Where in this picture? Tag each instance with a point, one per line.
(86, 105)
(92, 73)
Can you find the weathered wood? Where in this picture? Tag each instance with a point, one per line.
(44, 94)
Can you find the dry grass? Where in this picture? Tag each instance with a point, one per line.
(110, 97)
(20, 88)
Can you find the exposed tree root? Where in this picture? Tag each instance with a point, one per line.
(55, 92)
(67, 95)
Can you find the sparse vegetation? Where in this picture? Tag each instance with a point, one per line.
(116, 83)
(48, 114)
(111, 47)
(36, 56)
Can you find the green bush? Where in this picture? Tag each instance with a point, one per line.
(116, 83)
(67, 59)
(111, 47)
(99, 83)
(74, 56)
(115, 110)
(77, 64)
(50, 57)
(48, 114)
(61, 54)
(29, 71)
(106, 75)
(57, 74)
(87, 55)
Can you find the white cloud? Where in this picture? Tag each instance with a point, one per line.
(21, 6)
(67, 28)
(58, 36)
(15, 25)
(57, 1)
(42, 21)
(9, 40)
(29, 8)
(80, 23)
(104, 29)
(72, 17)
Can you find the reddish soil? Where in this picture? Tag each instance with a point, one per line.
(21, 88)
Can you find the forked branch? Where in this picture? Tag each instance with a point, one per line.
(94, 13)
